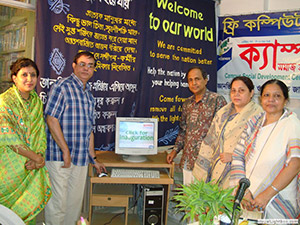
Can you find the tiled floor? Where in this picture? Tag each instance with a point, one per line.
(172, 220)
(99, 219)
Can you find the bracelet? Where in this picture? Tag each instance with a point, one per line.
(274, 188)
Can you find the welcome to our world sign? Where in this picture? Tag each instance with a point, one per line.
(142, 49)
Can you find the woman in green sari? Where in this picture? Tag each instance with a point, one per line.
(24, 180)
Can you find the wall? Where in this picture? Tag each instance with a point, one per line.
(17, 29)
(4, 85)
(237, 7)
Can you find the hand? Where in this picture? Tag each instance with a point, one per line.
(40, 165)
(171, 156)
(40, 161)
(30, 165)
(99, 167)
(246, 201)
(226, 157)
(67, 160)
(261, 200)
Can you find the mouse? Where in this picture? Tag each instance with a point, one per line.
(103, 174)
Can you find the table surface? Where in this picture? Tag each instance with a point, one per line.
(110, 159)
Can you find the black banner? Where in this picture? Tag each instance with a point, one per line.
(142, 48)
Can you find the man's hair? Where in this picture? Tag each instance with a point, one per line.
(203, 72)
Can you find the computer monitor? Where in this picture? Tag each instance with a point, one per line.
(136, 137)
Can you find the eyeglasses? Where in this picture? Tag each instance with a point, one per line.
(90, 65)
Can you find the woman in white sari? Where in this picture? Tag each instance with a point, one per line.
(268, 153)
(214, 159)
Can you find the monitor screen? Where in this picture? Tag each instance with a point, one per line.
(136, 136)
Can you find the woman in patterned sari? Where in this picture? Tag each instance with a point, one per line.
(268, 153)
(214, 159)
(24, 181)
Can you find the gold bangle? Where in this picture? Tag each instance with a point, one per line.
(274, 188)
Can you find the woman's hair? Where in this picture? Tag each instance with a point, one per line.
(85, 53)
(203, 72)
(282, 86)
(16, 66)
(246, 80)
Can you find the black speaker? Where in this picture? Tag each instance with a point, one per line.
(153, 205)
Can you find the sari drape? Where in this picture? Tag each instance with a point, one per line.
(222, 136)
(262, 165)
(26, 192)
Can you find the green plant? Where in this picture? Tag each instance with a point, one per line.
(203, 201)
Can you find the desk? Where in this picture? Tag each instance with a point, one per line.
(110, 159)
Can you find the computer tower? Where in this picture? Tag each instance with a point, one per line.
(153, 205)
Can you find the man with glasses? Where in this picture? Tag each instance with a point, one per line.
(70, 141)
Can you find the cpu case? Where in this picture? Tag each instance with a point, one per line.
(153, 205)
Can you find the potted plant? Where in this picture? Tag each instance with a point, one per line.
(202, 201)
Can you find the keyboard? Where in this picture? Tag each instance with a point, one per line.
(134, 173)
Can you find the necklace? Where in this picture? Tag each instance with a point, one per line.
(25, 99)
